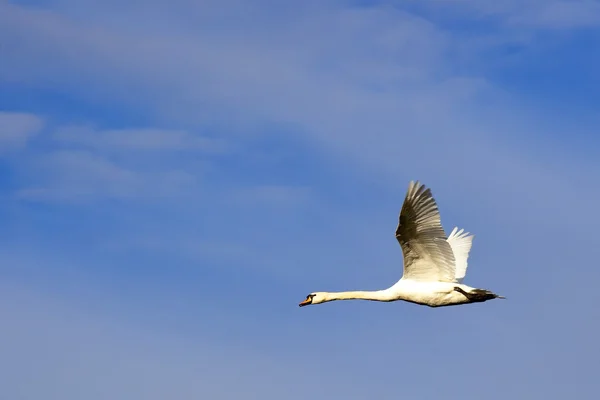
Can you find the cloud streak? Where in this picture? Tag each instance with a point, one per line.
(16, 129)
(82, 176)
(137, 139)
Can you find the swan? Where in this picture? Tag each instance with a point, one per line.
(434, 265)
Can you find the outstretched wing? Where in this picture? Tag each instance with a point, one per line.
(427, 254)
(460, 242)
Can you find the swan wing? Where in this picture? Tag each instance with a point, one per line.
(460, 242)
(427, 254)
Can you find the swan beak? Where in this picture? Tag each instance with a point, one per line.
(305, 302)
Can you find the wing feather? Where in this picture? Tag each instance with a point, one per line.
(460, 242)
(427, 254)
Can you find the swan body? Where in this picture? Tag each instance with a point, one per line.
(434, 265)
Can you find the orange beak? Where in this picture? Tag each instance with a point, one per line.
(305, 302)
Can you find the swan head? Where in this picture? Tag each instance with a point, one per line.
(313, 298)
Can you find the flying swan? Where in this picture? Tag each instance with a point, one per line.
(434, 266)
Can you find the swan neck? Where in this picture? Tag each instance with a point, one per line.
(379, 295)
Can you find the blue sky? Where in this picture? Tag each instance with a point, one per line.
(176, 176)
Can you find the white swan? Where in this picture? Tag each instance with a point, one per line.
(434, 266)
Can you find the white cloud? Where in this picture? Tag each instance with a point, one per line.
(83, 176)
(83, 164)
(137, 139)
(377, 87)
(17, 128)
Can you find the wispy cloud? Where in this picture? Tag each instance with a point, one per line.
(83, 176)
(377, 88)
(137, 139)
(77, 163)
(17, 128)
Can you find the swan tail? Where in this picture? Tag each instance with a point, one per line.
(478, 295)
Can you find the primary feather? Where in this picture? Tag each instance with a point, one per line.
(427, 254)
